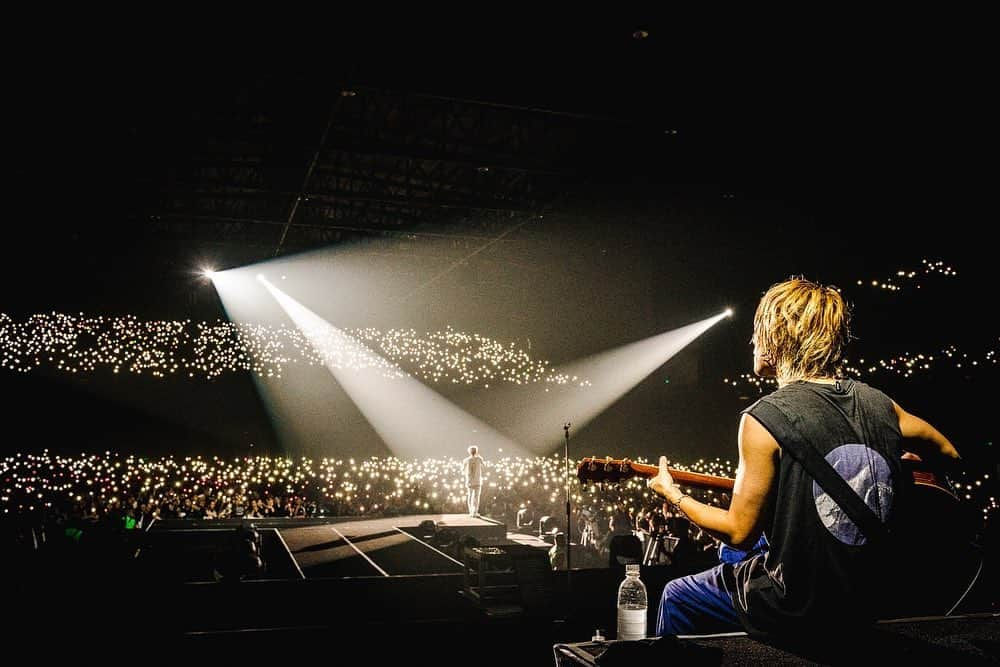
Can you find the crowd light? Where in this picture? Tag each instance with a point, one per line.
(911, 277)
(95, 486)
(904, 364)
(185, 348)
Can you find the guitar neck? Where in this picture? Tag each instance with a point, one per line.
(687, 478)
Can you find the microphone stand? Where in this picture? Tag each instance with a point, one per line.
(569, 541)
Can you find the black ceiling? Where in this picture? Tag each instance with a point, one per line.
(121, 149)
(135, 150)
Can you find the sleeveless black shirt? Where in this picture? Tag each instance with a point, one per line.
(820, 572)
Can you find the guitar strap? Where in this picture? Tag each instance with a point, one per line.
(803, 451)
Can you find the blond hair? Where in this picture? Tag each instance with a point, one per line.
(802, 328)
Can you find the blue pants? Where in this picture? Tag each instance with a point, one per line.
(697, 604)
(700, 604)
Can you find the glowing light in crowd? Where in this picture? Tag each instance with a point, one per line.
(101, 485)
(905, 365)
(909, 365)
(910, 277)
(80, 344)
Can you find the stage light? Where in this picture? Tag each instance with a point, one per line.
(728, 312)
(208, 272)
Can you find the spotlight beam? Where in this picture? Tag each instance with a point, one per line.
(535, 414)
(413, 420)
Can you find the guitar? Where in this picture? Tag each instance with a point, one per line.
(938, 527)
(593, 469)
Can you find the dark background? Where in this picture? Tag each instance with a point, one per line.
(674, 178)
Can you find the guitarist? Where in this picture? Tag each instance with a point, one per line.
(816, 571)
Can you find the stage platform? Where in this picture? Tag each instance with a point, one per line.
(315, 548)
(358, 573)
(400, 586)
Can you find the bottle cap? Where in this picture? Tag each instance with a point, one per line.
(632, 567)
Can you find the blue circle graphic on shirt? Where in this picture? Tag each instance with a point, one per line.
(865, 471)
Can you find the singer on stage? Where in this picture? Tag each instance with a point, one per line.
(473, 468)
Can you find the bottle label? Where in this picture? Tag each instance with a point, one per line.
(631, 624)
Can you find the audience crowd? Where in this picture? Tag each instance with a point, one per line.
(48, 499)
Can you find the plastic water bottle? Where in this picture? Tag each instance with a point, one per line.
(632, 605)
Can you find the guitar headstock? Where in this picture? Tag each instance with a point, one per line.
(593, 469)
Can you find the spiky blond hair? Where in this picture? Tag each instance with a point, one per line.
(804, 328)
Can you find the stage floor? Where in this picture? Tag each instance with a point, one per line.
(324, 548)
(386, 547)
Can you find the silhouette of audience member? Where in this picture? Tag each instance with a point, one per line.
(557, 553)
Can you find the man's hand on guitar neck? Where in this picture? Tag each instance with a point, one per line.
(664, 485)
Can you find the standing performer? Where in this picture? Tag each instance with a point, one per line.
(473, 467)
